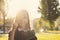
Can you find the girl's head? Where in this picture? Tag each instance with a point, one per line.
(22, 19)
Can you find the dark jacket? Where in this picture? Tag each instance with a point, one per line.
(21, 35)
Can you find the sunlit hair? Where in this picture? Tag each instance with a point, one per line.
(22, 19)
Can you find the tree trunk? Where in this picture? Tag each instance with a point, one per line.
(52, 25)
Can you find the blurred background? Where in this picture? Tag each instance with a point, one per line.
(44, 16)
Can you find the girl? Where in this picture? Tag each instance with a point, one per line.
(21, 28)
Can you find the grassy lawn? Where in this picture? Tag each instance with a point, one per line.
(4, 37)
(40, 36)
(48, 36)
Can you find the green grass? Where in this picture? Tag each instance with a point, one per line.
(3, 37)
(40, 36)
(48, 36)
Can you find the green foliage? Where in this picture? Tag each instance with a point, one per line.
(36, 24)
(53, 12)
(2, 11)
(49, 9)
(43, 8)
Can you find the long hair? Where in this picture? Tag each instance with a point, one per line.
(19, 20)
(22, 19)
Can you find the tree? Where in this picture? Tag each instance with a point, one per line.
(2, 11)
(53, 11)
(36, 24)
(49, 10)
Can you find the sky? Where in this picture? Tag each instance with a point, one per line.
(30, 5)
(14, 6)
